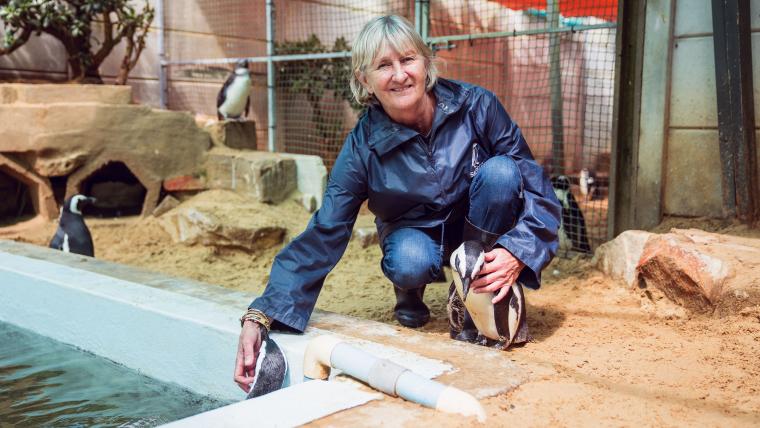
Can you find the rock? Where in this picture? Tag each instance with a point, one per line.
(168, 203)
(366, 236)
(184, 183)
(224, 219)
(703, 271)
(618, 258)
(235, 134)
(268, 177)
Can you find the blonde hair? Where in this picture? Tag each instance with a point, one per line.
(395, 31)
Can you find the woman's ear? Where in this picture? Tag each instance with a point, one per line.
(362, 78)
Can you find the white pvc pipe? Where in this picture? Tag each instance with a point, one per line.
(325, 352)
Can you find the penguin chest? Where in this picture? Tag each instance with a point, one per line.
(482, 311)
(236, 96)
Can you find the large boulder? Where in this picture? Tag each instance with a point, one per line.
(268, 177)
(618, 258)
(703, 271)
(220, 218)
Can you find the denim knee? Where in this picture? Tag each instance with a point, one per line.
(411, 258)
(495, 195)
(498, 180)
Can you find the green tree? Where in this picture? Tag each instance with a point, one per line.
(72, 23)
(314, 79)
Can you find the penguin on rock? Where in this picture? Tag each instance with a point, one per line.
(234, 98)
(72, 235)
(572, 230)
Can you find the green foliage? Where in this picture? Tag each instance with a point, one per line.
(315, 78)
(72, 23)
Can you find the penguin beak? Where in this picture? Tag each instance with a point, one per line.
(91, 201)
(465, 288)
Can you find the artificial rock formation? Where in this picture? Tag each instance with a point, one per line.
(60, 129)
(700, 271)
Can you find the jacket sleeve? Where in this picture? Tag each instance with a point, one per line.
(299, 270)
(533, 239)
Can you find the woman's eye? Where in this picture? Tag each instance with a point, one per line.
(408, 59)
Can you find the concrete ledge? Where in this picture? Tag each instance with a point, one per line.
(44, 93)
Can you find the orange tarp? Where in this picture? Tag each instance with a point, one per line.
(604, 9)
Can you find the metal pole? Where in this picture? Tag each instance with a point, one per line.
(736, 115)
(422, 18)
(555, 82)
(162, 86)
(271, 116)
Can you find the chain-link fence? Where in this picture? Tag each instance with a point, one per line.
(551, 63)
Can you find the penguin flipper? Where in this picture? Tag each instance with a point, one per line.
(57, 242)
(247, 106)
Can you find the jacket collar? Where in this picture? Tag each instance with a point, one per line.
(386, 135)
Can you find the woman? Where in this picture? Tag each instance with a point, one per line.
(437, 160)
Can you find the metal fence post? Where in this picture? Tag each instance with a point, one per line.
(162, 82)
(271, 115)
(422, 18)
(555, 82)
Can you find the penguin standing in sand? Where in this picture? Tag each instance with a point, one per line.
(271, 368)
(498, 325)
(72, 235)
(234, 98)
(572, 230)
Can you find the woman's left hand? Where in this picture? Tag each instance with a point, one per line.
(498, 273)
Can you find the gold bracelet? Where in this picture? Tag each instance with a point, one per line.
(256, 316)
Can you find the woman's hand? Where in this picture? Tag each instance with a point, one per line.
(248, 351)
(498, 273)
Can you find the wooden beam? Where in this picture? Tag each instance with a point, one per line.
(626, 115)
(736, 114)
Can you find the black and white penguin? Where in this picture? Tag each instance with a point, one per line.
(500, 325)
(572, 230)
(234, 98)
(271, 368)
(588, 185)
(72, 235)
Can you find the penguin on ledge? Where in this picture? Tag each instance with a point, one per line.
(234, 100)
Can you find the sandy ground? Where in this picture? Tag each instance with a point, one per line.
(604, 359)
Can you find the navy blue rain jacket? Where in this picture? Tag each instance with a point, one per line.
(411, 183)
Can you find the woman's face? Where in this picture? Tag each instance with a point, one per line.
(397, 80)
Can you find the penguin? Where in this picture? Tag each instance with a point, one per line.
(271, 368)
(72, 235)
(572, 230)
(499, 325)
(234, 98)
(587, 182)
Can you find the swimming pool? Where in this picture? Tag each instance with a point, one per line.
(48, 383)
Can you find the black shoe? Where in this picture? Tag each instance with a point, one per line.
(410, 310)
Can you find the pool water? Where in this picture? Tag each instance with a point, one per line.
(44, 382)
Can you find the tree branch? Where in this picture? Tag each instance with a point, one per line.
(18, 42)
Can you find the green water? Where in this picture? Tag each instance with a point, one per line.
(47, 383)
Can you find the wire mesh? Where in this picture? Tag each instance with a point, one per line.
(554, 74)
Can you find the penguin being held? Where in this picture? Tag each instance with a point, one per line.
(234, 99)
(499, 324)
(72, 235)
(271, 367)
(572, 230)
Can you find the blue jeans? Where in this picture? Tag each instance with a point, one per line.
(413, 257)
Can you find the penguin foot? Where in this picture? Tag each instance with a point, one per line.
(467, 335)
